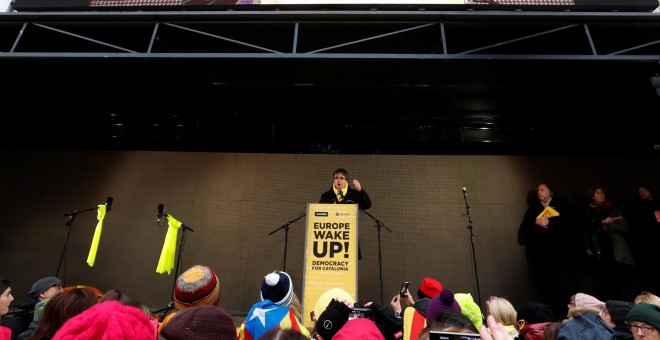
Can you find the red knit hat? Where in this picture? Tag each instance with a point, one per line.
(361, 328)
(195, 287)
(430, 287)
(109, 320)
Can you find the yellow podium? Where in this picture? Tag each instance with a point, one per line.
(330, 253)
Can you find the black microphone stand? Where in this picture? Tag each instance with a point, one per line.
(69, 223)
(285, 226)
(182, 242)
(474, 256)
(378, 226)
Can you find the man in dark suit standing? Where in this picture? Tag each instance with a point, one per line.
(341, 192)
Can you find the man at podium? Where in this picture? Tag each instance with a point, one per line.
(340, 192)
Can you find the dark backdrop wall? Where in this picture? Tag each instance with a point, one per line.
(233, 201)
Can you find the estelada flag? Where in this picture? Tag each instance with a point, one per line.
(547, 213)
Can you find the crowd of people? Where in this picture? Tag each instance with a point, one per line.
(81, 312)
(614, 245)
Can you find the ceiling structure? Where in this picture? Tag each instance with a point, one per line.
(349, 81)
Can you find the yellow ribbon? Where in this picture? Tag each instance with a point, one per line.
(97, 236)
(166, 261)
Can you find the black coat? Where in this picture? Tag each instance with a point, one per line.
(352, 196)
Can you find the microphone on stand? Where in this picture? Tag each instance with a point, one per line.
(159, 213)
(108, 204)
(464, 191)
(341, 194)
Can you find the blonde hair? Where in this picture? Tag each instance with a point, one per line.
(296, 306)
(647, 297)
(502, 310)
(583, 310)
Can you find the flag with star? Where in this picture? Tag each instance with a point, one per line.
(265, 315)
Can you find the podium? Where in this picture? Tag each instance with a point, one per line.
(330, 253)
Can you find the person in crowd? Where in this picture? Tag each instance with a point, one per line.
(470, 309)
(414, 316)
(586, 323)
(61, 308)
(5, 300)
(503, 312)
(644, 321)
(283, 334)
(273, 310)
(550, 236)
(105, 321)
(647, 297)
(42, 290)
(551, 331)
(359, 328)
(325, 298)
(341, 192)
(201, 322)
(606, 246)
(644, 220)
(615, 317)
(332, 319)
(533, 317)
(441, 303)
(128, 300)
(196, 286)
(494, 330)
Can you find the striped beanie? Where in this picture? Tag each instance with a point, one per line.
(195, 287)
(277, 287)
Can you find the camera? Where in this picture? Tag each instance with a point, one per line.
(404, 288)
(361, 312)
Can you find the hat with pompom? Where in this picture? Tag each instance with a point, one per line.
(443, 302)
(195, 287)
(277, 287)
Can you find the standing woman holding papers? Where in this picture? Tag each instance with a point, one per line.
(550, 236)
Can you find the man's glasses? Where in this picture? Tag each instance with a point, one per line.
(342, 178)
(57, 285)
(646, 329)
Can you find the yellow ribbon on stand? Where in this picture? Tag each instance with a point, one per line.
(166, 261)
(97, 236)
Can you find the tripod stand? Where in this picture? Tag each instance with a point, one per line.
(474, 256)
(285, 226)
(378, 226)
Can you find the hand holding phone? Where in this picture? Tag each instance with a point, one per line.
(404, 289)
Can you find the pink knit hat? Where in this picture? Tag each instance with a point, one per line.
(361, 328)
(108, 321)
(585, 300)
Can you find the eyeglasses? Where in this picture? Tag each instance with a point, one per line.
(57, 285)
(646, 329)
(342, 178)
(571, 303)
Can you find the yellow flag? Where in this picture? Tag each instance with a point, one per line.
(166, 261)
(547, 213)
(97, 236)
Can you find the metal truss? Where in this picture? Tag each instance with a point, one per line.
(250, 35)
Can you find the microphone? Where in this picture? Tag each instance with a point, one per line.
(159, 212)
(108, 204)
(464, 191)
(341, 194)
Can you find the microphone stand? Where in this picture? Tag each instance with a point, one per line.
(69, 223)
(182, 242)
(285, 226)
(474, 256)
(378, 226)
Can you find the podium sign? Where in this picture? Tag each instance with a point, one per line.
(330, 253)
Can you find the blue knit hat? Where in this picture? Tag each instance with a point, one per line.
(277, 287)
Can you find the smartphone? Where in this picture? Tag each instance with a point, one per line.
(360, 312)
(404, 288)
(439, 335)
